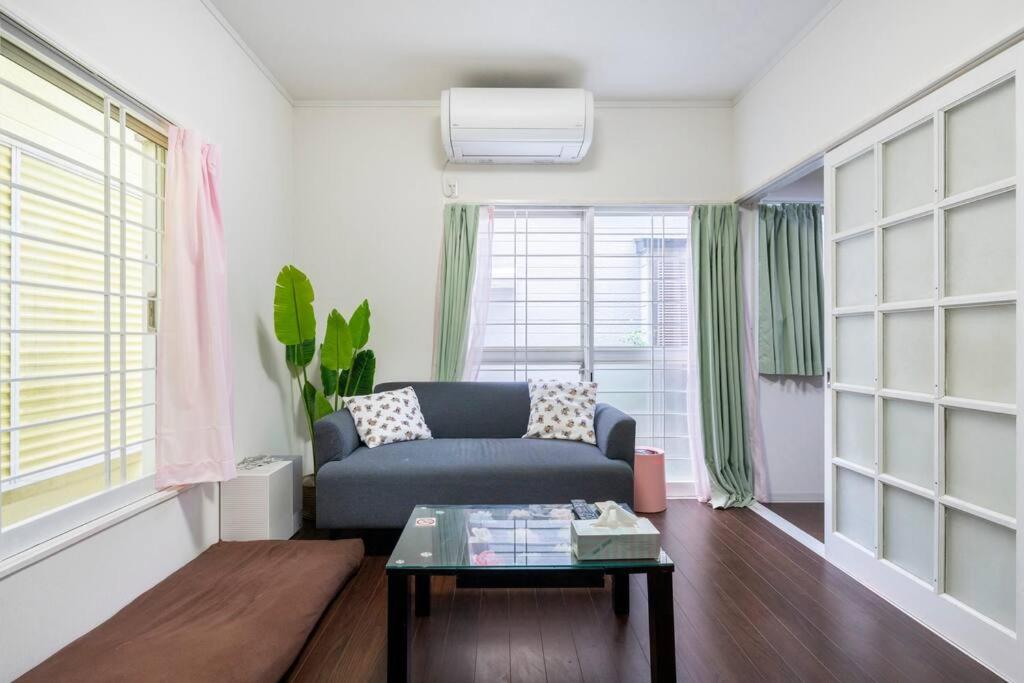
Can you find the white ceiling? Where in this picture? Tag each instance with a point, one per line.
(619, 49)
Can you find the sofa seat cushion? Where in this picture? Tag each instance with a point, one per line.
(378, 488)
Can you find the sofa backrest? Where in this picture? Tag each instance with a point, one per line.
(471, 410)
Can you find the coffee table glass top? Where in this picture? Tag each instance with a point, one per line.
(469, 538)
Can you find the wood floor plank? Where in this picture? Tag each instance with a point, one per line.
(459, 657)
(864, 631)
(922, 642)
(608, 641)
(792, 658)
(430, 633)
(345, 615)
(706, 541)
(874, 647)
(750, 603)
(561, 663)
(493, 654)
(808, 517)
(526, 647)
(363, 658)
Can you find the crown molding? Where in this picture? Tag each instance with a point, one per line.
(226, 25)
(433, 104)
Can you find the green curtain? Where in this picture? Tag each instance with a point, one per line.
(718, 294)
(790, 286)
(458, 257)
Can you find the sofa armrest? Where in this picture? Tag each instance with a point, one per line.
(616, 433)
(335, 437)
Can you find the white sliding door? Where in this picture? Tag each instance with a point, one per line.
(924, 476)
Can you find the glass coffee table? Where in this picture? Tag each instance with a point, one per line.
(513, 546)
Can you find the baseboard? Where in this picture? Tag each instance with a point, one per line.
(790, 529)
(680, 489)
(797, 497)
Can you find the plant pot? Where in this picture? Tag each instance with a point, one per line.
(309, 497)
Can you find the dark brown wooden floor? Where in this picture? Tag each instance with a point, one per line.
(750, 604)
(809, 517)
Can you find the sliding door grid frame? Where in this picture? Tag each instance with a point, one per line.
(1003, 653)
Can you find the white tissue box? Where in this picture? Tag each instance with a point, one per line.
(642, 542)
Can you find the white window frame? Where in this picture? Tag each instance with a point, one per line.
(20, 538)
(586, 355)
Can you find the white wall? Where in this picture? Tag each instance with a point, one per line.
(369, 201)
(861, 59)
(174, 56)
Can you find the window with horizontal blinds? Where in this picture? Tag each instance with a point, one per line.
(596, 292)
(81, 210)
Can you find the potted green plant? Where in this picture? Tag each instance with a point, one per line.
(347, 368)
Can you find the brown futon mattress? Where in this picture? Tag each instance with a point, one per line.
(239, 612)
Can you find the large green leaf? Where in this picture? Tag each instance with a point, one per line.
(360, 381)
(336, 353)
(294, 320)
(330, 380)
(300, 355)
(360, 325)
(317, 405)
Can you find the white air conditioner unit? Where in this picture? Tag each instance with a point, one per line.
(517, 125)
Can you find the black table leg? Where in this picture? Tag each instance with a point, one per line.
(398, 628)
(620, 593)
(422, 595)
(661, 616)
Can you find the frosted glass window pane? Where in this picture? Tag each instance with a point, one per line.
(980, 140)
(908, 440)
(908, 351)
(980, 354)
(855, 350)
(908, 164)
(855, 428)
(855, 192)
(908, 537)
(980, 246)
(981, 565)
(855, 271)
(980, 455)
(907, 261)
(855, 507)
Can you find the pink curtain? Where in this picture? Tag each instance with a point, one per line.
(194, 437)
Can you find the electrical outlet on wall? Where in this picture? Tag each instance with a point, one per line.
(451, 188)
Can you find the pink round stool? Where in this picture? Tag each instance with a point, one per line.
(648, 479)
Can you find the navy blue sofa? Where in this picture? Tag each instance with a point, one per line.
(477, 457)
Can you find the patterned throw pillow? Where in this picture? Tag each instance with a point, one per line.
(562, 410)
(388, 417)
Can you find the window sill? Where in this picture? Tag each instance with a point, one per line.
(37, 553)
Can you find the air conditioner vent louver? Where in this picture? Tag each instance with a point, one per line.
(516, 125)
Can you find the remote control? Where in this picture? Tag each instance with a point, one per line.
(583, 509)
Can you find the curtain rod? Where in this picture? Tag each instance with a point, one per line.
(21, 32)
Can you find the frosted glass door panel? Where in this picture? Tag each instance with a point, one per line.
(980, 140)
(980, 355)
(908, 440)
(908, 164)
(908, 351)
(855, 507)
(855, 350)
(855, 271)
(980, 246)
(855, 428)
(980, 454)
(981, 565)
(907, 261)
(855, 192)
(908, 540)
